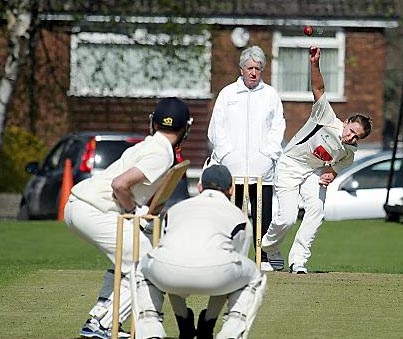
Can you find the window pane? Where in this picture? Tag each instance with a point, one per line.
(109, 151)
(397, 179)
(121, 67)
(328, 67)
(375, 176)
(291, 65)
(54, 159)
(293, 69)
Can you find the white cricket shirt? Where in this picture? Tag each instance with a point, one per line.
(200, 232)
(314, 148)
(153, 157)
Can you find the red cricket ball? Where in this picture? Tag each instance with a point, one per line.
(308, 30)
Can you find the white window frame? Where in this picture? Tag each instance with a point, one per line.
(337, 42)
(143, 38)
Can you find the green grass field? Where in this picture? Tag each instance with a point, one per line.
(49, 279)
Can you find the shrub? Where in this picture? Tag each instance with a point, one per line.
(19, 147)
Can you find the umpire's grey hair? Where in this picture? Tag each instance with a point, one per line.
(254, 52)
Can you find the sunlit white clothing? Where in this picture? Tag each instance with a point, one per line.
(317, 145)
(246, 130)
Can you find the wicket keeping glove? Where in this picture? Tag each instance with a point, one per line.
(147, 225)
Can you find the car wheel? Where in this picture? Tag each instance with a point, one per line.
(23, 213)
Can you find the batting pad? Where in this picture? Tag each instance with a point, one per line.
(242, 309)
(147, 307)
(105, 311)
(257, 301)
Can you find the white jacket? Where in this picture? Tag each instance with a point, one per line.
(246, 130)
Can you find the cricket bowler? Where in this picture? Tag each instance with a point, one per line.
(311, 160)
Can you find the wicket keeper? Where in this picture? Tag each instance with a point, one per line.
(203, 251)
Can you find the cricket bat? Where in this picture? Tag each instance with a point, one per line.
(167, 187)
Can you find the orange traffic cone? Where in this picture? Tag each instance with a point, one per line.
(67, 184)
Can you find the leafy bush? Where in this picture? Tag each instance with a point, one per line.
(19, 147)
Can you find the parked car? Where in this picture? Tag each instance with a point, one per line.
(89, 152)
(359, 192)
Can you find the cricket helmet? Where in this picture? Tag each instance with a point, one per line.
(171, 114)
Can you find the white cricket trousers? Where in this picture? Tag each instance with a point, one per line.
(289, 191)
(243, 283)
(99, 229)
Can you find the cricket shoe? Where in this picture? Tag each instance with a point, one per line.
(186, 326)
(266, 267)
(93, 329)
(276, 260)
(205, 328)
(298, 269)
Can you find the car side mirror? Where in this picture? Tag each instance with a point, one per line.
(32, 167)
(350, 186)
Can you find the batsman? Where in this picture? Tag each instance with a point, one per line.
(126, 186)
(203, 251)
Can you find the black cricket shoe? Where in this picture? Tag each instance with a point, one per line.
(205, 328)
(186, 326)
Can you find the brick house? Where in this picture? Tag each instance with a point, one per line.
(106, 69)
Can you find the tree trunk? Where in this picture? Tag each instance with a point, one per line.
(18, 24)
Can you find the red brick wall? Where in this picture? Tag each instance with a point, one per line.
(365, 65)
(46, 112)
(57, 113)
